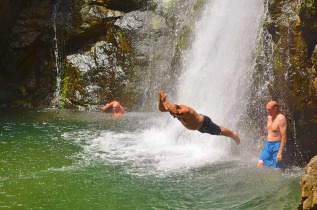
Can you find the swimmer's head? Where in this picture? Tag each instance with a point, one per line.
(272, 108)
(116, 107)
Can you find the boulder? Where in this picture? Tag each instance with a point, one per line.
(309, 186)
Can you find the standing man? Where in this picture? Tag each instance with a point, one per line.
(194, 121)
(117, 108)
(276, 137)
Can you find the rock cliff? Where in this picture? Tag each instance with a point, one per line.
(81, 53)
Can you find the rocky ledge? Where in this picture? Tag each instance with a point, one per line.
(309, 186)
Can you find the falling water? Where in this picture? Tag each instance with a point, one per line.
(214, 80)
(55, 101)
(221, 59)
(220, 62)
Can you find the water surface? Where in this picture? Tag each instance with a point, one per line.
(55, 159)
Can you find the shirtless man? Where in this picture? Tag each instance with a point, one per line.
(117, 108)
(194, 121)
(276, 138)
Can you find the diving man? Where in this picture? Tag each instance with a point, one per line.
(194, 121)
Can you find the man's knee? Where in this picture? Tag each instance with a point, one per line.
(260, 163)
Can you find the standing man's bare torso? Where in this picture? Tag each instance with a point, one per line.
(273, 128)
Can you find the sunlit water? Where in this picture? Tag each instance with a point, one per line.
(88, 160)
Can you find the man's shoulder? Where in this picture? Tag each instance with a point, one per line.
(281, 118)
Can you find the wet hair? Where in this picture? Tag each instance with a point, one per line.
(177, 106)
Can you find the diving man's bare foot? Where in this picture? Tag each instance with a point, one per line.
(236, 138)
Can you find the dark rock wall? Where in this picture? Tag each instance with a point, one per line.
(23, 66)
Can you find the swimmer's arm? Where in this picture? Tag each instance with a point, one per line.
(161, 105)
(108, 106)
(283, 129)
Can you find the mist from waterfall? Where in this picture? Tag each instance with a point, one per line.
(215, 78)
(219, 65)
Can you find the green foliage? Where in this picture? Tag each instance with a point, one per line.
(308, 14)
(169, 4)
(199, 4)
(123, 42)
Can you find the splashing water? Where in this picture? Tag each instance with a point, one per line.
(221, 58)
(213, 82)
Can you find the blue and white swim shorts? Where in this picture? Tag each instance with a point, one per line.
(269, 154)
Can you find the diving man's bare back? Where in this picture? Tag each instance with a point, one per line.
(188, 117)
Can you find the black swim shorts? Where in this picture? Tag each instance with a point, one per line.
(210, 127)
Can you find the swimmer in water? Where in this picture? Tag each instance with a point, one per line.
(117, 108)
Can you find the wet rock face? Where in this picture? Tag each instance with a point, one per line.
(124, 5)
(287, 50)
(309, 186)
(79, 53)
(114, 63)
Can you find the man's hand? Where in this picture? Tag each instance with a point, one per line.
(278, 157)
(162, 96)
(162, 101)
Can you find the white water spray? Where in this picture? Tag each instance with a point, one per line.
(220, 62)
(214, 78)
(221, 59)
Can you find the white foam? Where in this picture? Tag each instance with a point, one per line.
(154, 150)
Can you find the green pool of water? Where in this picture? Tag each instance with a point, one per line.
(55, 159)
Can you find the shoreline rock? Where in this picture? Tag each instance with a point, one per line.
(309, 186)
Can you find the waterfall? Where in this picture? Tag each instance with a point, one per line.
(57, 60)
(218, 66)
(215, 79)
